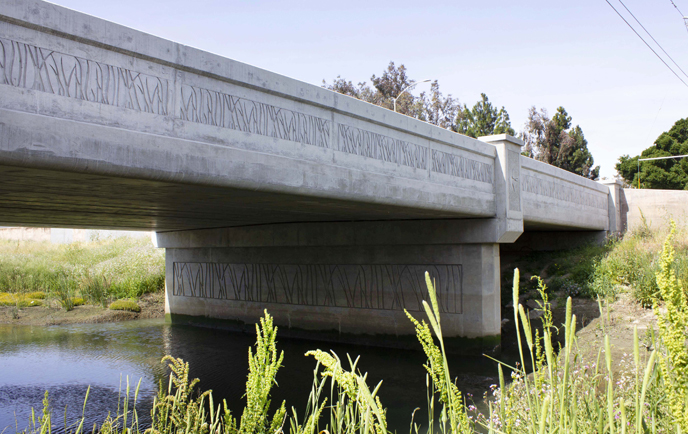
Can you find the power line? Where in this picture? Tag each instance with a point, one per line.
(645, 42)
(658, 44)
(679, 10)
(685, 19)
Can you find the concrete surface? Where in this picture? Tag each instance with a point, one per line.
(347, 291)
(658, 207)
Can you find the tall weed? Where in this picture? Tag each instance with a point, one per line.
(673, 331)
(64, 289)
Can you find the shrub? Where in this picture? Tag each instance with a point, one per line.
(571, 288)
(137, 286)
(125, 304)
(21, 300)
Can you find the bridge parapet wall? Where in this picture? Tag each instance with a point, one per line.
(554, 198)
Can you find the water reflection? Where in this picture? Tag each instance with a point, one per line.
(65, 360)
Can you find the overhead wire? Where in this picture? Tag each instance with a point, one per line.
(679, 10)
(648, 45)
(653, 38)
(685, 19)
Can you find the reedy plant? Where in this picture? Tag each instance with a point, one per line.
(116, 425)
(64, 290)
(454, 408)
(562, 396)
(176, 411)
(356, 409)
(673, 331)
(314, 407)
(263, 366)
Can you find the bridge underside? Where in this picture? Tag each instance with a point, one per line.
(51, 198)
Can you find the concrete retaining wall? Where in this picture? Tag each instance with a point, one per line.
(657, 206)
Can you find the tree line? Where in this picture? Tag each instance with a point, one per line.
(551, 140)
(663, 173)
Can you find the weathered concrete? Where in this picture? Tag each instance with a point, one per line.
(243, 172)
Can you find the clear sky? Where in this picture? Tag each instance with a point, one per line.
(575, 54)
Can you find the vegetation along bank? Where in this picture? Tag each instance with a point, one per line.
(604, 326)
(98, 281)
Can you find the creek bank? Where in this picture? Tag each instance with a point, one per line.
(618, 321)
(152, 306)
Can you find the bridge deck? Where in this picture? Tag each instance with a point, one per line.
(105, 126)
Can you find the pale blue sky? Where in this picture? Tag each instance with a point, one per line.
(577, 54)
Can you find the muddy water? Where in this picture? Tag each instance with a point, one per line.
(66, 360)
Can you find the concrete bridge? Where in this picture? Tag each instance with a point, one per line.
(265, 191)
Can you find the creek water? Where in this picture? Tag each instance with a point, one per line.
(65, 360)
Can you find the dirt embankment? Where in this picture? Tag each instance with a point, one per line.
(617, 319)
(152, 306)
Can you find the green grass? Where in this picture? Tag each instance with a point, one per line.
(633, 263)
(98, 271)
(628, 264)
(125, 304)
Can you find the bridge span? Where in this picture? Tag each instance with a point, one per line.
(266, 192)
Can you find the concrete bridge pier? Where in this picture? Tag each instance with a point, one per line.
(336, 281)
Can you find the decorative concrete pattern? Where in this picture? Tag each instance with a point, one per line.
(32, 67)
(514, 181)
(356, 141)
(462, 167)
(219, 109)
(381, 287)
(555, 190)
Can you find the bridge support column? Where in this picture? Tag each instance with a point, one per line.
(345, 282)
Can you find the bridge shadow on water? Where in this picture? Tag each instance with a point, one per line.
(223, 368)
(66, 360)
